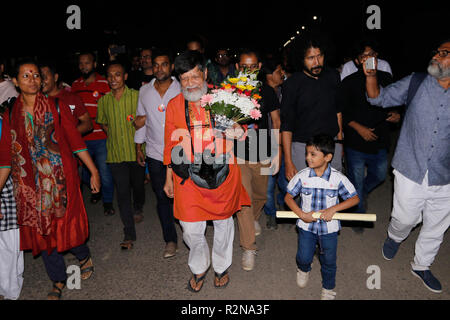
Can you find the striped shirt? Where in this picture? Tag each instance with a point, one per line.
(319, 193)
(119, 116)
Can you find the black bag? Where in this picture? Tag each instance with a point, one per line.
(207, 171)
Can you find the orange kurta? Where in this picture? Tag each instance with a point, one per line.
(191, 202)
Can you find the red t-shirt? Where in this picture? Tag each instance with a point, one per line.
(90, 95)
(74, 102)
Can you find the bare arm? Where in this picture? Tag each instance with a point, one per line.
(276, 124)
(139, 122)
(168, 186)
(95, 177)
(85, 124)
(105, 128)
(292, 204)
(140, 156)
(286, 141)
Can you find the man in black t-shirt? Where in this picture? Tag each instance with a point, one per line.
(309, 107)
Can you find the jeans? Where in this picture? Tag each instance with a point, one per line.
(280, 179)
(164, 205)
(129, 177)
(98, 153)
(376, 172)
(55, 264)
(307, 242)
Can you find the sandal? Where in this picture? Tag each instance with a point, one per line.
(86, 271)
(197, 280)
(127, 245)
(218, 278)
(56, 295)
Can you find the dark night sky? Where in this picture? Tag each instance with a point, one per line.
(408, 30)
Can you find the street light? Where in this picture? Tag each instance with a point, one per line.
(315, 18)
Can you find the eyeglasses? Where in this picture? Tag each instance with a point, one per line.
(441, 53)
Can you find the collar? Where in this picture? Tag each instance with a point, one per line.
(326, 175)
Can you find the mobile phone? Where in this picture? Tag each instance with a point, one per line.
(370, 63)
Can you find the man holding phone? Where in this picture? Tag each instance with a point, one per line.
(366, 131)
(422, 173)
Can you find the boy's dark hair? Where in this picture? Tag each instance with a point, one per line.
(158, 52)
(323, 142)
(188, 60)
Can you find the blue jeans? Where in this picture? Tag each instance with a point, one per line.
(98, 152)
(280, 178)
(307, 242)
(376, 172)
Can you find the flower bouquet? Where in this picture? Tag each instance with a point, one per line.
(235, 101)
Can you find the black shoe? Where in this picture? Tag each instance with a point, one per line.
(271, 222)
(108, 209)
(96, 197)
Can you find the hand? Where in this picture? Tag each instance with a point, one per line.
(290, 170)
(367, 133)
(307, 217)
(140, 158)
(327, 214)
(139, 122)
(235, 132)
(394, 117)
(275, 163)
(371, 72)
(95, 182)
(168, 188)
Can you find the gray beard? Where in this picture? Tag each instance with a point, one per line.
(436, 70)
(196, 95)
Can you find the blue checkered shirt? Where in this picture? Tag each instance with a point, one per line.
(318, 193)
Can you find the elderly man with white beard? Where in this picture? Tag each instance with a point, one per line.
(191, 127)
(421, 161)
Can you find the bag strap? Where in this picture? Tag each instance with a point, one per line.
(416, 80)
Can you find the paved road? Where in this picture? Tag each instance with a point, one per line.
(142, 273)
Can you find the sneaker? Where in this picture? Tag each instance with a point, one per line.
(257, 228)
(271, 222)
(430, 282)
(390, 248)
(248, 260)
(302, 278)
(327, 294)
(170, 250)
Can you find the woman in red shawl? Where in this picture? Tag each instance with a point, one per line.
(50, 209)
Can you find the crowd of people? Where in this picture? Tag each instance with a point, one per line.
(115, 132)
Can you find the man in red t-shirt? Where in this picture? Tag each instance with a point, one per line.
(90, 87)
(50, 87)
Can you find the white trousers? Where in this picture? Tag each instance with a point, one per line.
(415, 203)
(222, 251)
(11, 264)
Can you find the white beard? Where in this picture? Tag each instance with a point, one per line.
(435, 69)
(196, 95)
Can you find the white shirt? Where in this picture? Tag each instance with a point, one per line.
(7, 90)
(153, 106)
(350, 68)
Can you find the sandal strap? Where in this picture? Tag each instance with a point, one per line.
(221, 275)
(86, 260)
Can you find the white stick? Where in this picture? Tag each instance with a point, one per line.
(337, 216)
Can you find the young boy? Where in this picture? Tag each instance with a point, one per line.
(320, 187)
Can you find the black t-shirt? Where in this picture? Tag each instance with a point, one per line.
(258, 130)
(136, 79)
(309, 105)
(351, 98)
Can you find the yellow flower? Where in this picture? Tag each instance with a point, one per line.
(227, 86)
(233, 80)
(256, 96)
(243, 79)
(249, 87)
(241, 87)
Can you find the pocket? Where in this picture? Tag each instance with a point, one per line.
(306, 196)
(332, 197)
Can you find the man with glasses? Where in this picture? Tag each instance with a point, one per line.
(222, 67)
(421, 161)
